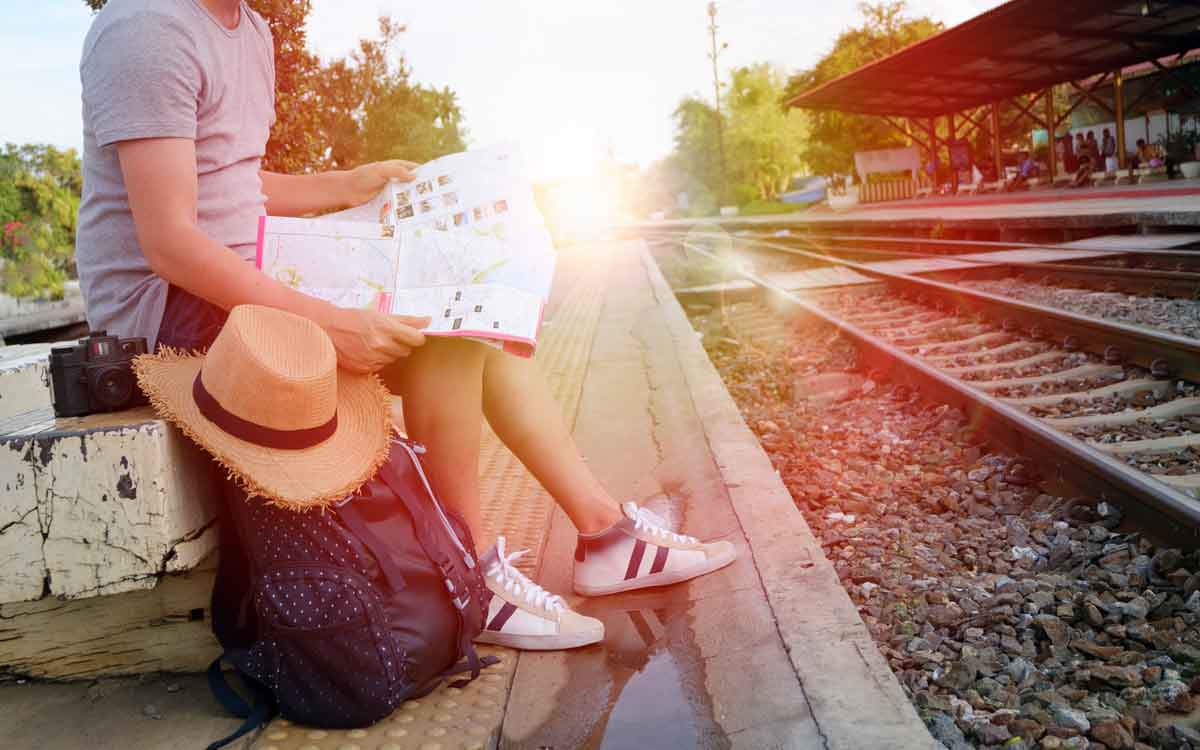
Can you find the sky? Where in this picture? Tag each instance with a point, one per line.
(568, 80)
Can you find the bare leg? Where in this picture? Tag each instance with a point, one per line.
(441, 385)
(448, 385)
(519, 407)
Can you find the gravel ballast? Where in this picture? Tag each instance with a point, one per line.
(1178, 316)
(1014, 617)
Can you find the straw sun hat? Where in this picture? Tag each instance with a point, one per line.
(270, 404)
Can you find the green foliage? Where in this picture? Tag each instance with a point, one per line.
(766, 208)
(833, 137)
(350, 110)
(764, 140)
(400, 119)
(39, 201)
(762, 146)
(1180, 144)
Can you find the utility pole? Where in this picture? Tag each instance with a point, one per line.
(712, 31)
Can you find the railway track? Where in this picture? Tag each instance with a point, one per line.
(1109, 407)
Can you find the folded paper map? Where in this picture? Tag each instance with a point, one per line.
(463, 243)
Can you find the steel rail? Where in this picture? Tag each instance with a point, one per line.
(1158, 351)
(1149, 281)
(1177, 253)
(1171, 513)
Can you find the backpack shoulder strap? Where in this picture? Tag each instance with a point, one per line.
(350, 514)
(254, 714)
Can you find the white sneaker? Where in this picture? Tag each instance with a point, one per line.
(524, 615)
(639, 551)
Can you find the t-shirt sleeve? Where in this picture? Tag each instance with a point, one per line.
(141, 79)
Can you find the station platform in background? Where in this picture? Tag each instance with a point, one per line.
(1146, 207)
(768, 652)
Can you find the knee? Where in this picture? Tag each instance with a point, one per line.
(442, 350)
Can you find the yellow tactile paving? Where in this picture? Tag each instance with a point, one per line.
(446, 719)
(513, 504)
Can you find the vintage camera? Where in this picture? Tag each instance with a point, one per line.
(95, 375)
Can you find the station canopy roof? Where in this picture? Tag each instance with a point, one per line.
(1014, 49)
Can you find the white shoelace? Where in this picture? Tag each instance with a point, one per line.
(518, 585)
(646, 520)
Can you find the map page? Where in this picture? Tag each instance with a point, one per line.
(347, 263)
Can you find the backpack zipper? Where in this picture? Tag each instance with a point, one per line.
(412, 453)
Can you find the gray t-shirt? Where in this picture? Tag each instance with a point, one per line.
(156, 69)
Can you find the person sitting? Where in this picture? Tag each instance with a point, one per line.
(1083, 174)
(1093, 151)
(178, 101)
(1026, 170)
(1144, 156)
(1070, 160)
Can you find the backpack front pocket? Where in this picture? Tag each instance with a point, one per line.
(325, 649)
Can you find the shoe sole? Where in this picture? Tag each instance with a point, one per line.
(539, 642)
(666, 578)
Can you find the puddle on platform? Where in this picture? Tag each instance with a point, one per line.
(643, 688)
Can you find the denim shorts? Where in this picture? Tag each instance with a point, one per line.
(189, 323)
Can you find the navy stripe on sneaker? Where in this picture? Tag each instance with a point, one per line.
(643, 627)
(660, 560)
(635, 559)
(502, 616)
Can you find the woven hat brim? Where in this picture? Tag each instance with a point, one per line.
(304, 479)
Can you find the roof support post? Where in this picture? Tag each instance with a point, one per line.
(1052, 154)
(1119, 107)
(952, 129)
(934, 149)
(995, 127)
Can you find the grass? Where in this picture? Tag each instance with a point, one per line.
(766, 208)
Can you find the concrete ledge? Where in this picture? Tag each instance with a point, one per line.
(99, 505)
(855, 699)
(24, 379)
(164, 629)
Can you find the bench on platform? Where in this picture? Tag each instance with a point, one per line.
(1151, 174)
(103, 516)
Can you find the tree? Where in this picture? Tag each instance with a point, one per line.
(39, 201)
(399, 119)
(833, 137)
(764, 139)
(694, 166)
(763, 145)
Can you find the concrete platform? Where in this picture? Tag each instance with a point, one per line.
(769, 652)
(1169, 204)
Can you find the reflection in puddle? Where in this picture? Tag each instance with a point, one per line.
(644, 687)
(652, 704)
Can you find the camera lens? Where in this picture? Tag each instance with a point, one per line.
(114, 387)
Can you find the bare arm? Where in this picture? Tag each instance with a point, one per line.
(301, 195)
(160, 177)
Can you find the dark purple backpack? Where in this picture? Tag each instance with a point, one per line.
(334, 618)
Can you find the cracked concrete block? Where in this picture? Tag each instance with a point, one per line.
(120, 499)
(20, 531)
(24, 379)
